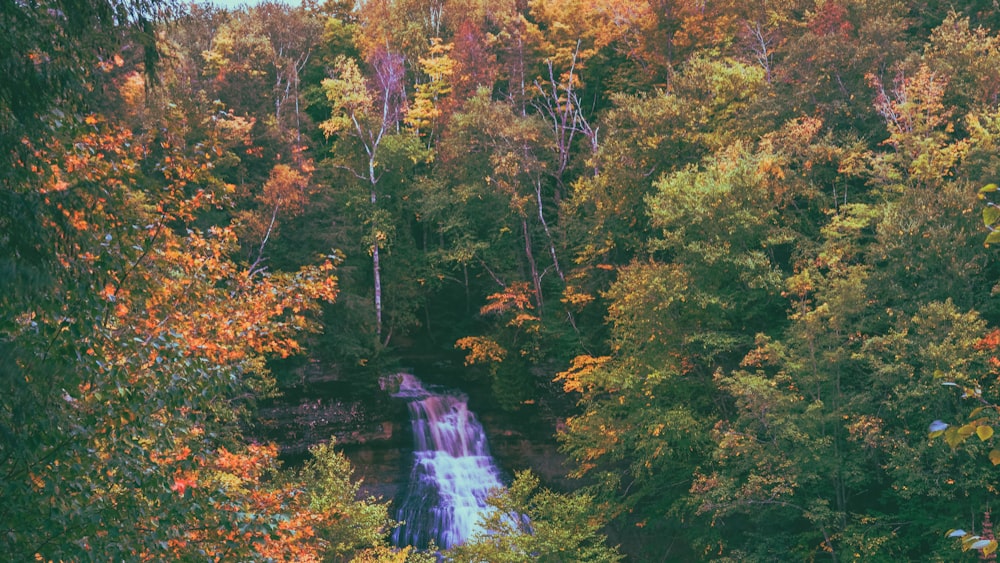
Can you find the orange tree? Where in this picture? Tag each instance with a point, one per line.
(130, 341)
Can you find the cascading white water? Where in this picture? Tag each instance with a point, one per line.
(453, 472)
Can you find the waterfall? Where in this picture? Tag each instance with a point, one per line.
(452, 473)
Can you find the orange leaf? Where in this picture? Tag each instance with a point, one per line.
(182, 483)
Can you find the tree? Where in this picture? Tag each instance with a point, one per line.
(145, 352)
(242, 64)
(430, 105)
(54, 52)
(368, 114)
(495, 159)
(527, 523)
(294, 35)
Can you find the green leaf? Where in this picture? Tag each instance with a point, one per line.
(991, 214)
(993, 237)
(988, 188)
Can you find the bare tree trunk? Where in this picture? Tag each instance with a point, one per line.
(298, 121)
(378, 290)
(376, 266)
(565, 114)
(545, 226)
(260, 252)
(277, 101)
(761, 47)
(536, 279)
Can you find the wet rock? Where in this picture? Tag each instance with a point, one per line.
(323, 404)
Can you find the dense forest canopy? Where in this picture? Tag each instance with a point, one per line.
(742, 251)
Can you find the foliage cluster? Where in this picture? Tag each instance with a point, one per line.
(737, 248)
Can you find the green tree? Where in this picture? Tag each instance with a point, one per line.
(527, 523)
(649, 407)
(495, 164)
(367, 115)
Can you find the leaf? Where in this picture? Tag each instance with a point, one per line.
(968, 541)
(985, 432)
(990, 548)
(967, 430)
(953, 437)
(993, 237)
(990, 215)
(988, 188)
(980, 544)
(995, 457)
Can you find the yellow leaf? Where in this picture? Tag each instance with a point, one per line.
(984, 432)
(990, 548)
(995, 457)
(952, 437)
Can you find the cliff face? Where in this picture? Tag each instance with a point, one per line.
(298, 422)
(324, 402)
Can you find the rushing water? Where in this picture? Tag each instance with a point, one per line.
(452, 473)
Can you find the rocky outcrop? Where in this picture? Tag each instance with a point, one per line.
(298, 424)
(325, 403)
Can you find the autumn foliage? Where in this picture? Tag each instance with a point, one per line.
(152, 333)
(731, 254)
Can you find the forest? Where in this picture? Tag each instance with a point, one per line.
(742, 251)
